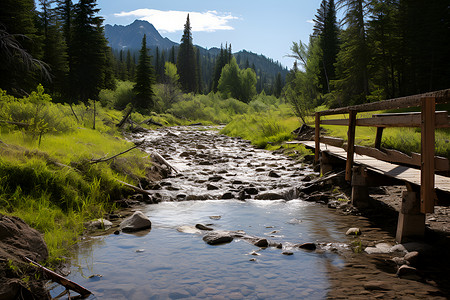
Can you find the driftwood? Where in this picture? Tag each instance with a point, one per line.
(15, 123)
(315, 183)
(122, 122)
(94, 161)
(150, 121)
(161, 160)
(68, 284)
(137, 189)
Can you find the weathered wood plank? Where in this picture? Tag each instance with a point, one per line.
(393, 120)
(333, 141)
(442, 96)
(350, 144)
(427, 168)
(317, 137)
(385, 168)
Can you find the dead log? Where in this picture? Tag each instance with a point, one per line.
(122, 122)
(137, 189)
(94, 161)
(150, 121)
(68, 284)
(314, 185)
(161, 160)
(15, 123)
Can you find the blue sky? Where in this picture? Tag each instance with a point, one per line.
(263, 26)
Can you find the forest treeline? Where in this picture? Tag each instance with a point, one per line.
(380, 50)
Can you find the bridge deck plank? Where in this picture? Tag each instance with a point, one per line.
(411, 175)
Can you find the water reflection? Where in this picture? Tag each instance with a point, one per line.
(168, 264)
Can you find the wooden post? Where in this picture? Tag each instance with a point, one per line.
(350, 144)
(378, 137)
(360, 191)
(317, 137)
(427, 194)
(411, 222)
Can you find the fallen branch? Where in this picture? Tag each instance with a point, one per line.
(68, 284)
(125, 117)
(161, 159)
(313, 183)
(137, 189)
(94, 161)
(150, 121)
(15, 123)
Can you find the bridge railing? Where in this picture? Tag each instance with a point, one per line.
(428, 119)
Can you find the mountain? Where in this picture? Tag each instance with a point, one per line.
(130, 36)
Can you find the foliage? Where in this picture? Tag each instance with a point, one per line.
(144, 79)
(118, 98)
(186, 61)
(169, 92)
(263, 129)
(51, 185)
(237, 83)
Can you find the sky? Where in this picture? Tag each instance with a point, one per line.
(265, 27)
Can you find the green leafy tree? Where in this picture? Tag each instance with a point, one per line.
(171, 92)
(237, 83)
(145, 78)
(186, 63)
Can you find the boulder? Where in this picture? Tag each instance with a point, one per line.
(353, 231)
(227, 195)
(263, 243)
(203, 227)
(251, 190)
(274, 174)
(269, 196)
(138, 221)
(211, 187)
(19, 239)
(217, 238)
(308, 246)
(407, 272)
(99, 224)
(412, 257)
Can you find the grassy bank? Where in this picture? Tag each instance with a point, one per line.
(46, 177)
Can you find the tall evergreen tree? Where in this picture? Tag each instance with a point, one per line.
(145, 78)
(19, 38)
(172, 56)
(353, 58)
(54, 48)
(88, 49)
(186, 63)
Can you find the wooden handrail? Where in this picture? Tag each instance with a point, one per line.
(442, 96)
(428, 120)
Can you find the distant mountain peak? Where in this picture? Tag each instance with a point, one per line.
(130, 36)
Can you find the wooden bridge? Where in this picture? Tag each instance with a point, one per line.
(365, 166)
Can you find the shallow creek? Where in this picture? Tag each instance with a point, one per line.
(165, 263)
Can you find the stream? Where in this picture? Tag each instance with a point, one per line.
(227, 184)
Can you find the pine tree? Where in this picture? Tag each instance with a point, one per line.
(186, 64)
(352, 81)
(278, 86)
(172, 55)
(19, 38)
(145, 78)
(88, 49)
(54, 48)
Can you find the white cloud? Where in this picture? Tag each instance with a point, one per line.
(310, 21)
(171, 21)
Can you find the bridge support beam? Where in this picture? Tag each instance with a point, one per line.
(329, 162)
(360, 192)
(411, 222)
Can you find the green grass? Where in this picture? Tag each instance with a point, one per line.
(48, 181)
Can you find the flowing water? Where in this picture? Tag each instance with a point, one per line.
(166, 263)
